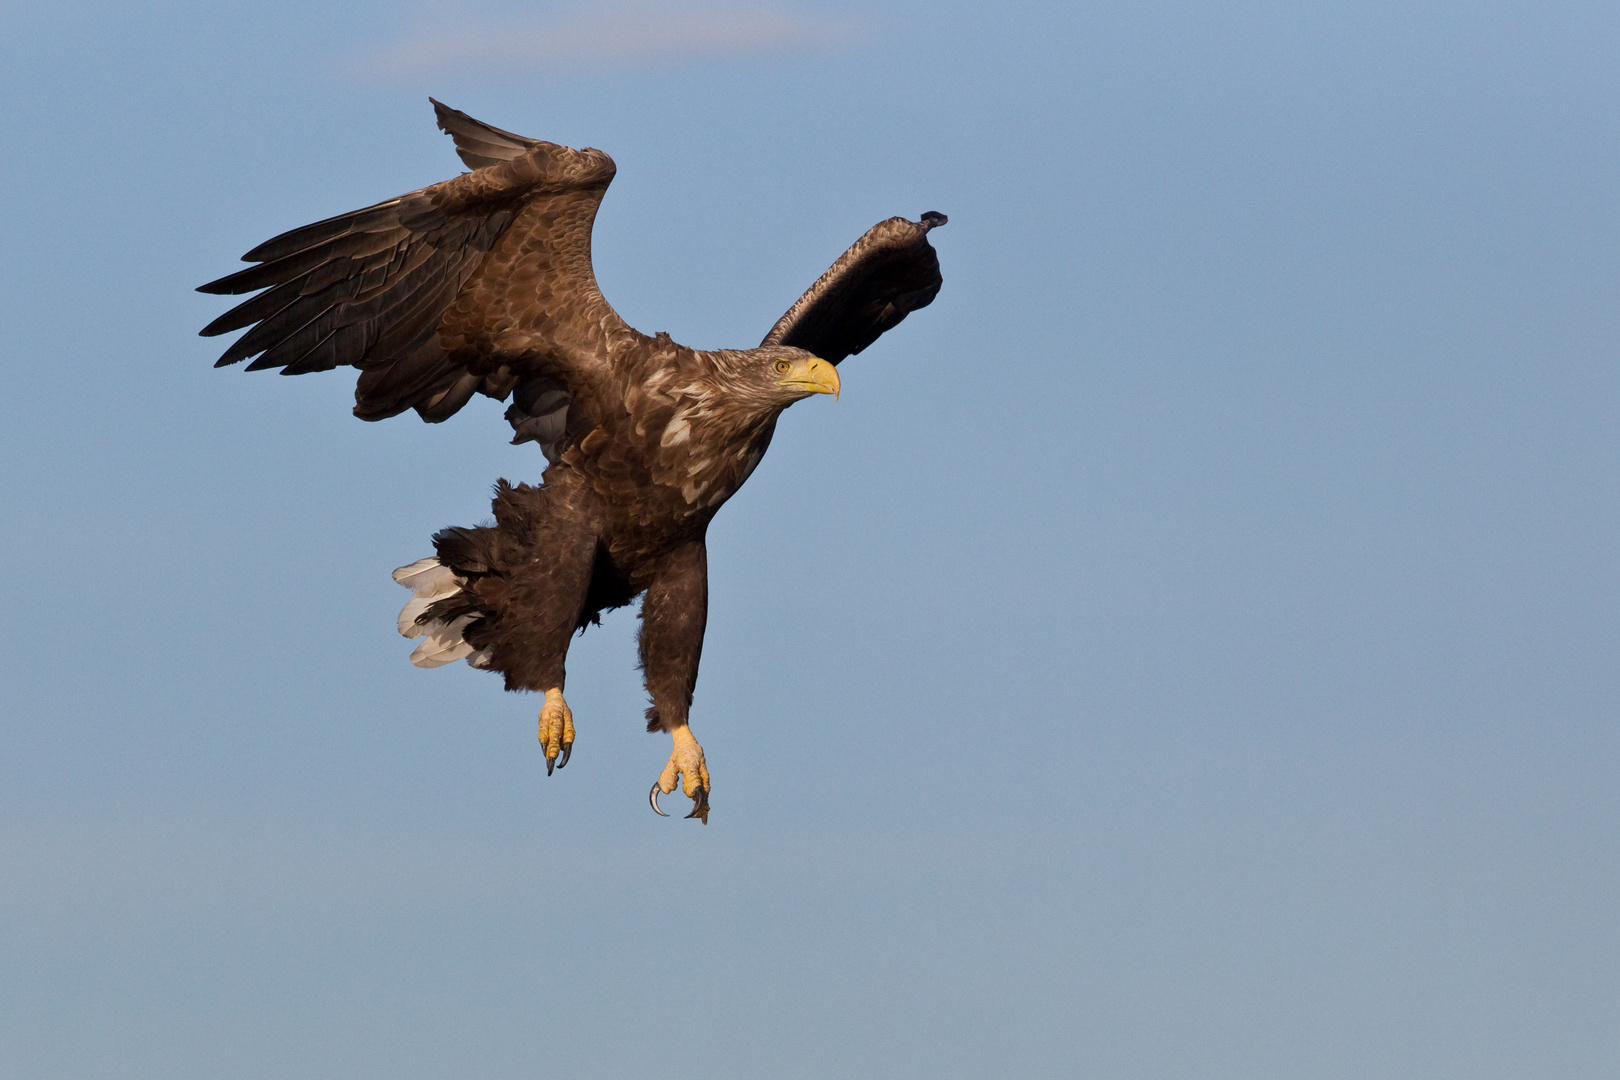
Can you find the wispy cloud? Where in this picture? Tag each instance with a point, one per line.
(612, 36)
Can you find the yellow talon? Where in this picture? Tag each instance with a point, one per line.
(685, 763)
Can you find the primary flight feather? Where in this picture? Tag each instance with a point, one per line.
(483, 284)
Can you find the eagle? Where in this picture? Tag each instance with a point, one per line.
(483, 284)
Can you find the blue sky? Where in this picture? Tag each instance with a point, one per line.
(1187, 649)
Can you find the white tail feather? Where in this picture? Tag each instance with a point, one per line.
(408, 626)
(405, 573)
(444, 644)
(426, 577)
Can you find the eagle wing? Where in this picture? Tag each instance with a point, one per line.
(477, 284)
(888, 273)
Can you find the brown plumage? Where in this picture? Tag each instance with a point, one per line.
(483, 284)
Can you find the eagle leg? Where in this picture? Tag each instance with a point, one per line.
(532, 572)
(556, 729)
(673, 617)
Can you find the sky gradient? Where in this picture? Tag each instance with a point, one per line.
(1187, 649)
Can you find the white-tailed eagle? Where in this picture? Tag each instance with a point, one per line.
(483, 284)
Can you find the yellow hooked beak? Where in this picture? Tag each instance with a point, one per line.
(814, 375)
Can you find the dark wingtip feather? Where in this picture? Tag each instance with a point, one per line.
(251, 279)
(231, 320)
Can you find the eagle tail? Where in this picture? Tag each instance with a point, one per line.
(438, 613)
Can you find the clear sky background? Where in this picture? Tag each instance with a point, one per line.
(1188, 649)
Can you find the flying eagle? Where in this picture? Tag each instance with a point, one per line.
(483, 284)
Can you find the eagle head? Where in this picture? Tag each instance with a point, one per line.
(773, 377)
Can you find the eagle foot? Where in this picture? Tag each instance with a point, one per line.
(686, 762)
(556, 729)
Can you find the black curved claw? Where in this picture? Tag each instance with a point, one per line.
(568, 752)
(550, 764)
(652, 797)
(700, 805)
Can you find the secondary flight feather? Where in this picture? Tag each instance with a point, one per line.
(483, 284)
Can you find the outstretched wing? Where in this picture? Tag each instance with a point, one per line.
(476, 284)
(883, 277)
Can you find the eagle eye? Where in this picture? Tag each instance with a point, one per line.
(782, 367)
